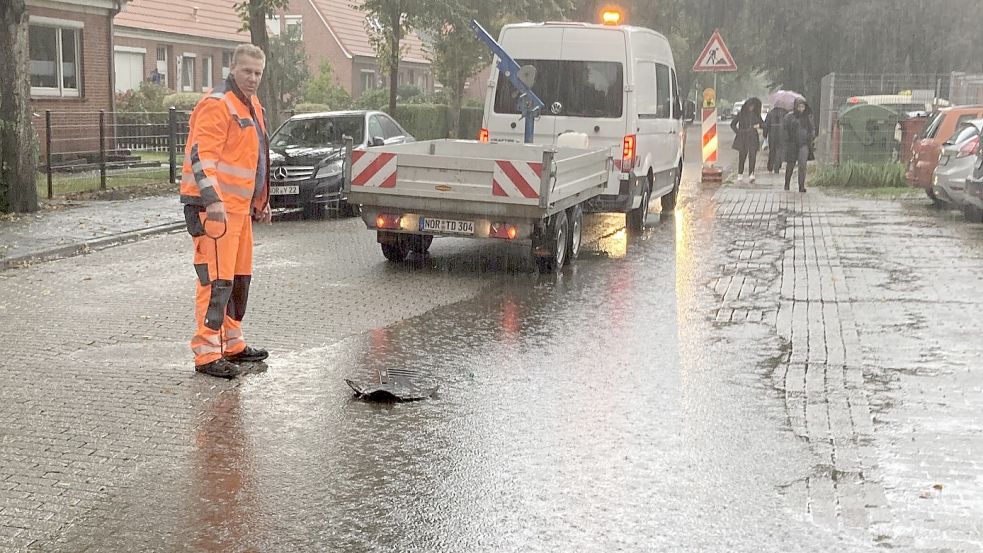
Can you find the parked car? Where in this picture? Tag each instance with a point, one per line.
(973, 193)
(306, 157)
(927, 149)
(956, 163)
(736, 108)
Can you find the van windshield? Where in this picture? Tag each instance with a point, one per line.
(569, 88)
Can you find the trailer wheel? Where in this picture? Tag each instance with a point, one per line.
(556, 242)
(636, 218)
(575, 215)
(669, 200)
(420, 243)
(395, 252)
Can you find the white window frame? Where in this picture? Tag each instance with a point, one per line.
(207, 76)
(158, 63)
(60, 24)
(226, 69)
(130, 50)
(295, 21)
(365, 72)
(188, 87)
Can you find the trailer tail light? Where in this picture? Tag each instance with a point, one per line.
(969, 148)
(503, 231)
(628, 154)
(387, 221)
(483, 136)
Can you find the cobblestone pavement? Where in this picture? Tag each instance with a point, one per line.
(836, 332)
(69, 228)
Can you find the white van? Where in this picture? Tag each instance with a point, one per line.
(617, 85)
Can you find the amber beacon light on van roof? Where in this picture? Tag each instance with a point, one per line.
(612, 16)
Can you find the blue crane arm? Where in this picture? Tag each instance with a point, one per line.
(506, 63)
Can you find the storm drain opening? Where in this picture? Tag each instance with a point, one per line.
(393, 385)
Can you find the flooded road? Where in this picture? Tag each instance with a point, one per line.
(698, 387)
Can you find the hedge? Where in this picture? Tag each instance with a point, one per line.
(185, 101)
(431, 121)
(306, 107)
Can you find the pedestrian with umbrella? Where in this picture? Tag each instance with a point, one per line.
(783, 102)
(745, 126)
(799, 132)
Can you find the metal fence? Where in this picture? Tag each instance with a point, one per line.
(874, 118)
(85, 151)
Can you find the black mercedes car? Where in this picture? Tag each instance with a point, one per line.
(307, 156)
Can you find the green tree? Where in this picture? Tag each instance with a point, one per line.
(387, 23)
(290, 60)
(455, 53)
(322, 89)
(18, 144)
(254, 14)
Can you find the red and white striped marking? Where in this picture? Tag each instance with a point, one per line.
(709, 135)
(373, 169)
(517, 179)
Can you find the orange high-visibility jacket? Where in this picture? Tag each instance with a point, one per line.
(221, 159)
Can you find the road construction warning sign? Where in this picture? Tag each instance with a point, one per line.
(715, 56)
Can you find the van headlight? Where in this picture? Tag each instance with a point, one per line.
(332, 169)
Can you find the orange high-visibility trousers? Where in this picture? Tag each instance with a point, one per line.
(223, 287)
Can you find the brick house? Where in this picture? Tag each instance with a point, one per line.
(184, 45)
(335, 31)
(70, 65)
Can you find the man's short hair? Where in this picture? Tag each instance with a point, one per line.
(250, 50)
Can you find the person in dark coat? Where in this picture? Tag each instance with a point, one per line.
(773, 134)
(746, 125)
(799, 132)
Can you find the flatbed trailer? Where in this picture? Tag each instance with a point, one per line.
(524, 193)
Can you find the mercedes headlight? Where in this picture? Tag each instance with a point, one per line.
(332, 169)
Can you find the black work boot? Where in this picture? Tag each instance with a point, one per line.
(220, 368)
(248, 355)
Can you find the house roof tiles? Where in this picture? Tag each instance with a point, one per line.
(214, 19)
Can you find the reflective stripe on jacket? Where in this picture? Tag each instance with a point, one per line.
(221, 158)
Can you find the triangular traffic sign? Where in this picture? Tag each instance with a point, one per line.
(715, 56)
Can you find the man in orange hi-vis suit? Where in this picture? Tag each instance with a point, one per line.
(224, 188)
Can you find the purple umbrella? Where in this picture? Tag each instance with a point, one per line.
(785, 99)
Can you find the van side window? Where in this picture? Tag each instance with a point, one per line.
(676, 100)
(662, 84)
(646, 100)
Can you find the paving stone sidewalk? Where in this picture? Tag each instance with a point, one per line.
(78, 227)
(879, 376)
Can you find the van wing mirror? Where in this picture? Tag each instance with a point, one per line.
(689, 110)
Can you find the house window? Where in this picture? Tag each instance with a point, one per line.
(188, 72)
(206, 73)
(226, 64)
(295, 23)
(128, 63)
(276, 25)
(160, 76)
(54, 51)
(368, 79)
